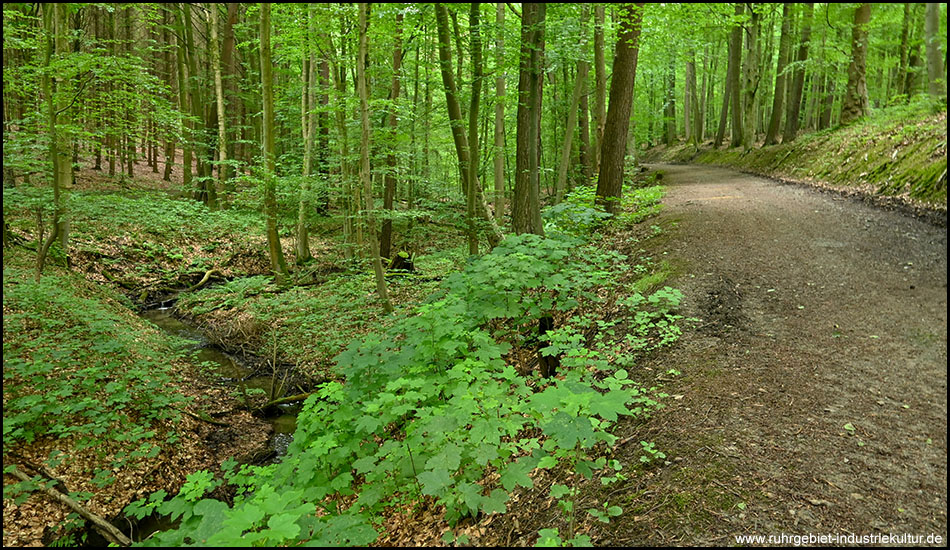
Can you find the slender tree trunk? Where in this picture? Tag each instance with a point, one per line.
(610, 179)
(856, 95)
(526, 206)
(309, 123)
(600, 85)
(735, 85)
(499, 152)
(60, 146)
(392, 121)
(493, 233)
(669, 100)
(275, 252)
(580, 82)
(219, 95)
(775, 121)
(906, 26)
(792, 117)
(473, 186)
(361, 85)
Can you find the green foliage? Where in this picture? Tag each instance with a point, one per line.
(74, 369)
(433, 403)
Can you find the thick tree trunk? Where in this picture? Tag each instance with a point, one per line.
(526, 206)
(935, 59)
(750, 81)
(856, 95)
(610, 179)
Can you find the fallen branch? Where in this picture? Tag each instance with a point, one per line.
(100, 524)
(203, 280)
(204, 417)
(288, 399)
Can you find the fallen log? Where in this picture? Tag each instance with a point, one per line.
(105, 528)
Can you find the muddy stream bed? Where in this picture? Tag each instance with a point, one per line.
(234, 372)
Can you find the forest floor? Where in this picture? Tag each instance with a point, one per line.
(813, 394)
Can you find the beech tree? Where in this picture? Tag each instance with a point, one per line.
(614, 147)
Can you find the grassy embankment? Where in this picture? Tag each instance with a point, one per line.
(897, 155)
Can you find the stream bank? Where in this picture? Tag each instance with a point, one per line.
(239, 374)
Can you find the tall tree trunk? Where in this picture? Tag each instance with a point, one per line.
(275, 252)
(580, 87)
(600, 86)
(793, 114)
(309, 123)
(219, 95)
(610, 179)
(935, 59)
(912, 83)
(735, 84)
(906, 26)
(392, 121)
(473, 186)
(60, 146)
(499, 152)
(526, 206)
(492, 232)
(856, 95)
(775, 121)
(750, 80)
(731, 70)
(361, 85)
(669, 99)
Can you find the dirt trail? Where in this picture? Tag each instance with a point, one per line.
(814, 387)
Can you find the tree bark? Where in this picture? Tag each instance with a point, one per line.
(526, 206)
(935, 59)
(493, 233)
(361, 85)
(600, 86)
(775, 121)
(473, 186)
(499, 158)
(389, 179)
(750, 80)
(856, 95)
(793, 113)
(275, 253)
(610, 179)
(580, 87)
(219, 95)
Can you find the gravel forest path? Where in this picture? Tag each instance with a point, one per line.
(813, 393)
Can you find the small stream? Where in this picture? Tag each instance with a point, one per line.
(231, 371)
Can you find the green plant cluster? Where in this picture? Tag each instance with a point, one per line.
(438, 408)
(75, 370)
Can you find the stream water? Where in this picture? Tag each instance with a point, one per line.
(231, 371)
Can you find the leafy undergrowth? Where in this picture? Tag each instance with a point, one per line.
(90, 400)
(438, 414)
(898, 152)
(147, 244)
